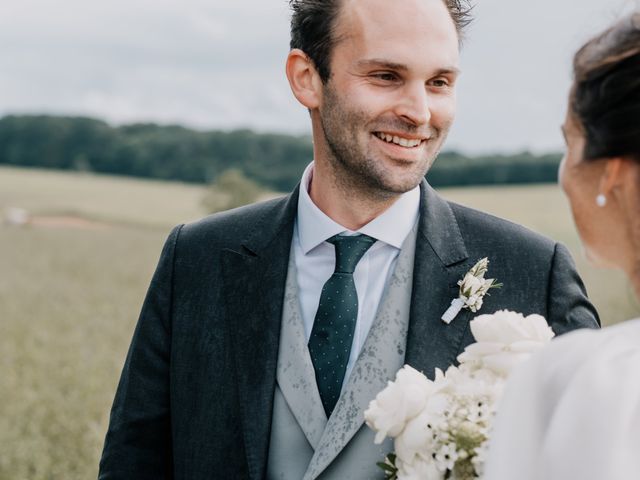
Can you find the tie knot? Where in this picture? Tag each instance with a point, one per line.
(349, 251)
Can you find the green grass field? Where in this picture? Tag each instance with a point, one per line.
(70, 294)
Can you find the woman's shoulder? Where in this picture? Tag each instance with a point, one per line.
(590, 359)
(572, 410)
(596, 343)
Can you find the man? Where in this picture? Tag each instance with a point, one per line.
(268, 329)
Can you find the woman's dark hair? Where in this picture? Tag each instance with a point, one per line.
(313, 27)
(605, 98)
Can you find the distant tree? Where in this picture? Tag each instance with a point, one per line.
(232, 189)
(172, 152)
(54, 142)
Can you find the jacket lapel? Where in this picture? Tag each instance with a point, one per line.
(296, 376)
(440, 261)
(254, 275)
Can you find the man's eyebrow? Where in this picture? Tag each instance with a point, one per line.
(448, 71)
(382, 63)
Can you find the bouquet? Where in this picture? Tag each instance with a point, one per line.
(441, 427)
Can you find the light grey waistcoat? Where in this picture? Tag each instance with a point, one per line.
(304, 444)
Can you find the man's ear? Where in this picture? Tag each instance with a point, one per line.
(304, 79)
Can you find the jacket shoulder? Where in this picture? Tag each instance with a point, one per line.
(230, 228)
(482, 227)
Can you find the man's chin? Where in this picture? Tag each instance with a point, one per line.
(402, 181)
(389, 187)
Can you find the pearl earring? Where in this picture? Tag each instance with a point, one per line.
(601, 200)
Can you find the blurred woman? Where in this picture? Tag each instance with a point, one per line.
(573, 411)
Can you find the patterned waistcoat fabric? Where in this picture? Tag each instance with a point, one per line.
(304, 443)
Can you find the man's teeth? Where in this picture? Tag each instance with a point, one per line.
(403, 142)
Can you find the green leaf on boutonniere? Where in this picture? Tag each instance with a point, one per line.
(389, 467)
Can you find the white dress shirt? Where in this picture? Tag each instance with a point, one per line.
(315, 257)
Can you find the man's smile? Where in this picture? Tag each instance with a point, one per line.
(400, 140)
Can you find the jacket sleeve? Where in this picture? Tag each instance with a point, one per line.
(568, 307)
(138, 441)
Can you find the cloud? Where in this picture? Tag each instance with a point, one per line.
(220, 64)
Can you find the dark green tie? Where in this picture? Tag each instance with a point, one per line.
(335, 321)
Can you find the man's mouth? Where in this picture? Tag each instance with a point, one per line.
(398, 140)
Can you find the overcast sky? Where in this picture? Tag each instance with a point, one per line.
(220, 64)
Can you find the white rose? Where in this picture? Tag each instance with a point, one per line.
(398, 403)
(416, 437)
(505, 339)
(419, 469)
(509, 327)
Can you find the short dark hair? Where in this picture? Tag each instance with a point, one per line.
(605, 97)
(313, 27)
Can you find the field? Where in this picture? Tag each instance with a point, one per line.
(71, 285)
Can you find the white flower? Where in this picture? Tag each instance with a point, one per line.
(505, 339)
(398, 403)
(473, 288)
(419, 469)
(508, 327)
(479, 412)
(474, 303)
(446, 457)
(417, 436)
(481, 267)
(470, 285)
(480, 457)
(446, 423)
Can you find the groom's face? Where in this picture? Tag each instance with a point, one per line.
(390, 100)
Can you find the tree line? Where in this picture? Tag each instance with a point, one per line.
(275, 161)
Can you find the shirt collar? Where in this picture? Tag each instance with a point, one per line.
(391, 227)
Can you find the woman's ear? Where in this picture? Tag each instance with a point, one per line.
(620, 180)
(303, 79)
(613, 175)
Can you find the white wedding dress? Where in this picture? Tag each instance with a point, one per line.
(572, 411)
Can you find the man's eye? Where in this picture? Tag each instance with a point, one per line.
(440, 82)
(385, 76)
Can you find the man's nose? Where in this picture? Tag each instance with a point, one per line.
(413, 105)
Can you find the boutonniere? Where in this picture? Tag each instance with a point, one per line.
(473, 288)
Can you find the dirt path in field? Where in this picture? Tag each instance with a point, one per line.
(66, 221)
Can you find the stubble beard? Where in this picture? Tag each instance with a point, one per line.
(356, 171)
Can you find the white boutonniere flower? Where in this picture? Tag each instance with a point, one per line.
(473, 288)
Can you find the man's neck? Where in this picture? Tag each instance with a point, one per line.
(349, 207)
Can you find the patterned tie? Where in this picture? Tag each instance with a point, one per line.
(335, 321)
